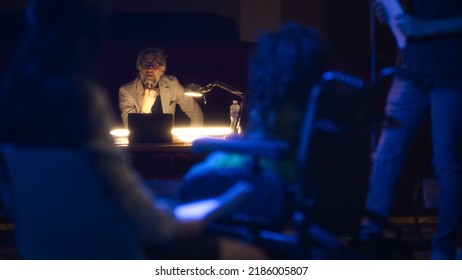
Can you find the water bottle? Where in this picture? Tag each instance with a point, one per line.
(234, 115)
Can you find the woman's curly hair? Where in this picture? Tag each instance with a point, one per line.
(285, 66)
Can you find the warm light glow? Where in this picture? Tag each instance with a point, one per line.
(180, 134)
(120, 132)
(120, 136)
(192, 93)
(189, 134)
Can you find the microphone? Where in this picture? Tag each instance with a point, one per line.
(149, 84)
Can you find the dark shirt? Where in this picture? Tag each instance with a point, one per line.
(434, 61)
(157, 106)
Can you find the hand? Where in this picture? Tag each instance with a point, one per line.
(187, 229)
(147, 100)
(380, 11)
(413, 27)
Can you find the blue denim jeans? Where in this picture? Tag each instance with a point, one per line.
(407, 105)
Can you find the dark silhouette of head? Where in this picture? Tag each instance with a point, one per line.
(59, 49)
(284, 68)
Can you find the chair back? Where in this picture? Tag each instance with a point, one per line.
(334, 153)
(62, 207)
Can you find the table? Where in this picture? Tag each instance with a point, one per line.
(162, 161)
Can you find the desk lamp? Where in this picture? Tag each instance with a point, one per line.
(196, 90)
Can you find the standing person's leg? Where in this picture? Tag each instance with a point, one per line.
(447, 139)
(406, 106)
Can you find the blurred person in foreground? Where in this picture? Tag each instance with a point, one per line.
(50, 97)
(284, 68)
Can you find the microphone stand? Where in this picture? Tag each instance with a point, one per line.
(373, 75)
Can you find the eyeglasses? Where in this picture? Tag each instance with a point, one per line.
(153, 65)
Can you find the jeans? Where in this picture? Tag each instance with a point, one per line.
(407, 105)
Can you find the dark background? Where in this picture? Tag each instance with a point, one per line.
(205, 45)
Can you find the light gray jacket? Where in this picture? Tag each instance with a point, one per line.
(171, 93)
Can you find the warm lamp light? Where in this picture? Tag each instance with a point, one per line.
(189, 134)
(120, 132)
(193, 90)
(196, 90)
(120, 136)
(183, 134)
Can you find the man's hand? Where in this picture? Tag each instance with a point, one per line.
(414, 27)
(147, 100)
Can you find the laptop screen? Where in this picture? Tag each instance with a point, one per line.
(150, 128)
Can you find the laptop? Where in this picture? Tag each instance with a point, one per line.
(150, 128)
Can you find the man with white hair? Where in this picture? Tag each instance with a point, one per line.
(155, 92)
